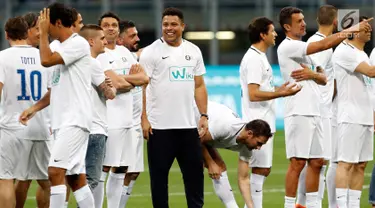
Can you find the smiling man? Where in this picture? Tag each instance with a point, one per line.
(175, 67)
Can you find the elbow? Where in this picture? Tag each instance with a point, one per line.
(145, 80)
(252, 97)
(45, 63)
(323, 82)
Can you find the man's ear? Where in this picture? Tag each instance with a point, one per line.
(6, 36)
(287, 27)
(91, 42)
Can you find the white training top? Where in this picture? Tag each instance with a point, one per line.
(99, 113)
(170, 93)
(354, 89)
(372, 63)
(324, 59)
(291, 53)
(71, 85)
(255, 69)
(224, 127)
(137, 100)
(120, 109)
(24, 83)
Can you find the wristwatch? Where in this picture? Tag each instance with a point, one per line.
(205, 115)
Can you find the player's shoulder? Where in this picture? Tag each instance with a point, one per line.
(316, 37)
(191, 46)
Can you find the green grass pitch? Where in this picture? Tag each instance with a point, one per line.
(273, 188)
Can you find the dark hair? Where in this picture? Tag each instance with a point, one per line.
(259, 128)
(326, 15)
(259, 25)
(16, 28)
(171, 11)
(351, 35)
(126, 24)
(31, 19)
(285, 16)
(61, 12)
(75, 15)
(108, 14)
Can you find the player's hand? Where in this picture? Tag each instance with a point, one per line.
(135, 68)
(303, 74)
(146, 128)
(44, 21)
(202, 126)
(214, 171)
(108, 82)
(288, 89)
(362, 26)
(26, 116)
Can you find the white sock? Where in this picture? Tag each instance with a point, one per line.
(114, 188)
(126, 192)
(341, 197)
(312, 200)
(224, 191)
(354, 198)
(301, 195)
(331, 185)
(322, 185)
(290, 202)
(256, 187)
(98, 191)
(58, 194)
(84, 197)
(66, 204)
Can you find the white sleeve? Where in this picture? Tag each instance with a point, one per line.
(296, 49)
(104, 61)
(97, 74)
(254, 70)
(147, 61)
(49, 74)
(2, 72)
(348, 60)
(74, 51)
(199, 69)
(372, 57)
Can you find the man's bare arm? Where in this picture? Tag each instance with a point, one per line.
(244, 182)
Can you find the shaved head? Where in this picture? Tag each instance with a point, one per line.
(90, 31)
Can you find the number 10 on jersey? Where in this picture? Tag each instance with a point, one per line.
(35, 93)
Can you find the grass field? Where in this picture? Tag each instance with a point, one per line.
(273, 190)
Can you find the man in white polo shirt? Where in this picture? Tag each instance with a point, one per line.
(258, 94)
(175, 67)
(355, 129)
(303, 127)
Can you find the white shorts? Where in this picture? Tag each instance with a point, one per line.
(34, 158)
(69, 149)
(118, 151)
(9, 154)
(327, 140)
(263, 158)
(304, 137)
(355, 142)
(136, 165)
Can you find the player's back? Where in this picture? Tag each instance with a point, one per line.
(24, 83)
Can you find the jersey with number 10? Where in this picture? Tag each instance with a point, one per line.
(24, 83)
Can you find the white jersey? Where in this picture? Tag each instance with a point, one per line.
(372, 63)
(120, 109)
(71, 85)
(354, 89)
(224, 127)
(170, 93)
(99, 114)
(292, 53)
(255, 69)
(324, 59)
(24, 83)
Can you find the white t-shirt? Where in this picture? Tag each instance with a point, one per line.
(291, 53)
(224, 127)
(170, 93)
(324, 59)
(372, 62)
(71, 85)
(24, 83)
(99, 114)
(354, 89)
(120, 109)
(255, 69)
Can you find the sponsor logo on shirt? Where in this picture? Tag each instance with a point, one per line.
(183, 73)
(56, 77)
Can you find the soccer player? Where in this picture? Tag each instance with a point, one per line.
(70, 96)
(176, 68)
(98, 135)
(129, 38)
(33, 31)
(327, 21)
(228, 131)
(303, 126)
(258, 94)
(121, 66)
(355, 129)
(24, 151)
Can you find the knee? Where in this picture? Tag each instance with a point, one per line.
(56, 175)
(316, 163)
(360, 167)
(297, 164)
(262, 171)
(133, 176)
(106, 169)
